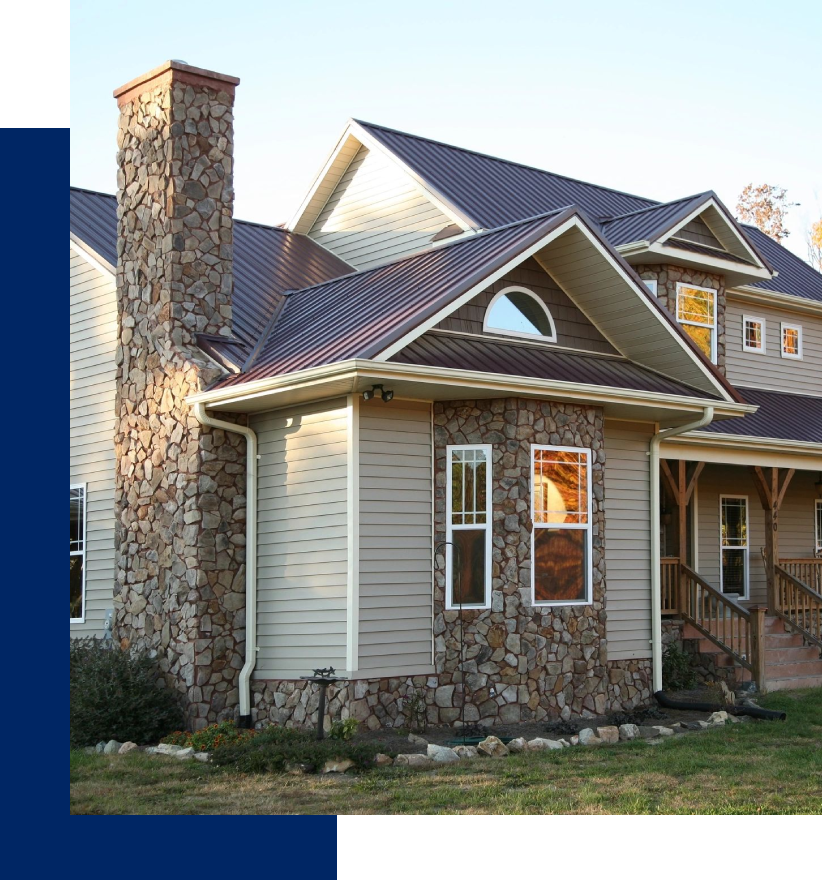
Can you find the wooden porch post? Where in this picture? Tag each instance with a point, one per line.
(682, 489)
(771, 489)
(758, 646)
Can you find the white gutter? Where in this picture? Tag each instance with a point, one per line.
(251, 552)
(656, 573)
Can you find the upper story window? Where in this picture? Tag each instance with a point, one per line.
(818, 544)
(517, 311)
(791, 341)
(696, 312)
(753, 334)
(77, 552)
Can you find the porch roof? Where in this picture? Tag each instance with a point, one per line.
(780, 416)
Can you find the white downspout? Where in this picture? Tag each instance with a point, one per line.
(656, 574)
(250, 556)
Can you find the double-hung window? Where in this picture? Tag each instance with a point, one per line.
(791, 341)
(818, 536)
(696, 312)
(734, 544)
(561, 548)
(77, 552)
(468, 527)
(753, 335)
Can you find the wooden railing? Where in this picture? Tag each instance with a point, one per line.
(809, 571)
(670, 584)
(735, 630)
(799, 606)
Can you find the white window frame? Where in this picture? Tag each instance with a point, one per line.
(715, 332)
(763, 325)
(450, 527)
(82, 618)
(817, 525)
(652, 284)
(589, 526)
(789, 325)
(746, 547)
(487, 328)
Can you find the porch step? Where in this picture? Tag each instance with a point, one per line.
(774, 656)
(792, 684)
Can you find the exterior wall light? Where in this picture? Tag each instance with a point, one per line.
(385, 395)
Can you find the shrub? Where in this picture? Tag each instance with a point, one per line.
(677, 672)
(344, 730)
(116, 694)
(209, 738)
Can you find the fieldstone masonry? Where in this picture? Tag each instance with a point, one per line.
(180, 487)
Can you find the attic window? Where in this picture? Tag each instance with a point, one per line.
(517, 311)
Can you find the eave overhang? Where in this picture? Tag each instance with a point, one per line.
(742, 450)
(758, 296)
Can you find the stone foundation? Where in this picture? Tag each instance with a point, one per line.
(630, 684)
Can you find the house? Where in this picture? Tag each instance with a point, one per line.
(474, 434)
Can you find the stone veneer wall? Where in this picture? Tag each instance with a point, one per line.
(180, 487)
(667, 278)
(542, 663)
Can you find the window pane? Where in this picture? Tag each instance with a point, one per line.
(468, 495)
(790, 340)
(76, 519)
(560, 487)
(734, 522)
(702, 336)
(733, 571)
(560, 565)
(695, 305)
(521, 313)
(818, 526)
(753, 334)
(76, 579)
(468, 566)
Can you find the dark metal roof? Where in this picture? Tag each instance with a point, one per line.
(646, 223)
(494, 192)
(796, 277)
(454, 352)
(359, 315)
(268, 260)
(779, 417)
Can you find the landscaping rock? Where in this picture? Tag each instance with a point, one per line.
(152, 750)
(167, 749)
(662, 730)
(718, 718)
(733, 719)
(465, 752)
(205, 757)
(587, 737)
(127, 747)
(291, 769)
(111, 747)
(608, 734)
(564, 743)
(417, 740)
(184, 754)
(520, 744)
(574, 740)
(539, 744)
(442, 754)
(413, 761)
(628, 731)
(381, 760)
(647, 732)
(337, 765)
(694, 725)
(492, 747)
(99, 748)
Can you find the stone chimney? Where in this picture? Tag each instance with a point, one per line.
(180, 487)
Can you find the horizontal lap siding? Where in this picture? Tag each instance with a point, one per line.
(627, 540)
(770, 370)
(93, 340)
(376, 214)
(395, 619)
(302, 549)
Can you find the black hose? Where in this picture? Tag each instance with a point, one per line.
(746, 708)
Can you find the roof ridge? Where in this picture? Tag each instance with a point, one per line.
(505, 161)
(448, 244)
(611, 218)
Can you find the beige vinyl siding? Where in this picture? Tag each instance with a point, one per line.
(302, 549)
(395, 595)
(770, 370)
(93, 315)
(574, 330)
(376, 214)
(627, 540)
(795, 522)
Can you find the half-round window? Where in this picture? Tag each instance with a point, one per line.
(517, 311)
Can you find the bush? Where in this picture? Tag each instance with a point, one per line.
(209, 738)
(115, 694)
(344, 729)
(677, 672)
(273, 749)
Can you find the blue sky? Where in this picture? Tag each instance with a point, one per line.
(662, 100)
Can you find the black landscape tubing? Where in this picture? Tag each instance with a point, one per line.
(746, 708)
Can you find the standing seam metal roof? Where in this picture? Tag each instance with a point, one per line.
(795, 278)
(780, 417)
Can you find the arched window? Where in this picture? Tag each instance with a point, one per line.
(517, 311)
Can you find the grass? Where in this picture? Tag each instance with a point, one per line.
(761, 767)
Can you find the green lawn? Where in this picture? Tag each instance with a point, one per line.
(759, 767)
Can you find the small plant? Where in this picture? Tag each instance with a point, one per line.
(116, 694)
(677, 672)
(344, 730)
(208, 739)
(415, 710)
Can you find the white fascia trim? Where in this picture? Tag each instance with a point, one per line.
(90, 256)
(672, 253)
(775, 300)
(761, 444)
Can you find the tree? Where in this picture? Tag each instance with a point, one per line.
(765, 206)
(815, 245)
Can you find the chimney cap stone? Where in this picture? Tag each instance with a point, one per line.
(175, 71)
